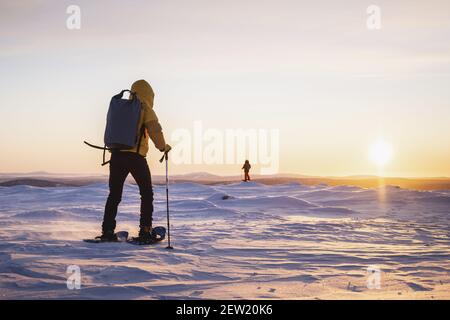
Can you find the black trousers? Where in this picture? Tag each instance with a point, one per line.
(123, 163)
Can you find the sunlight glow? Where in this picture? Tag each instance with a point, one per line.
(381, 153)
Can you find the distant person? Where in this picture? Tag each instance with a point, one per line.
(130, 161)
(246, 168)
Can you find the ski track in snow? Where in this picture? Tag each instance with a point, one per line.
(244, 240)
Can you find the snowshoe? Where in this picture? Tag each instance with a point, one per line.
(120, 236)
(147, 238)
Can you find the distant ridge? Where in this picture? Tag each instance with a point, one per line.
(35, 183)
(55, 180)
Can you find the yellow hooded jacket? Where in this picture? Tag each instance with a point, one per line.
(148, 119)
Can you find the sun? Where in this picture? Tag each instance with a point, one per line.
(381, 153)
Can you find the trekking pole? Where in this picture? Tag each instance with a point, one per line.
(166, 156)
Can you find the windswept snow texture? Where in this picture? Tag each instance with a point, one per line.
(244, 240)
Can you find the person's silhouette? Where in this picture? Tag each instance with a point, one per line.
(246, 168)
(130, 161)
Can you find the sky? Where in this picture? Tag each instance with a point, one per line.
(312, 71)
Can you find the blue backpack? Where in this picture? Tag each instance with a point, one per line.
(122, 121)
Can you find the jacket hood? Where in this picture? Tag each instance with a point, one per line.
(144, 92)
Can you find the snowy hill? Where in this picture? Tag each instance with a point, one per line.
(241, 240)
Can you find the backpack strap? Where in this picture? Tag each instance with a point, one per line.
(120, 95)
(94, 146)
(104, 148)
(142, 132)
(104, 152)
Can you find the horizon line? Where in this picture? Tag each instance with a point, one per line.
(293, 175)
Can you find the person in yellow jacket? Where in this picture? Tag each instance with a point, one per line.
(129, 161)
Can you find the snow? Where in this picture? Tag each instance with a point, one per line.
(234, 241)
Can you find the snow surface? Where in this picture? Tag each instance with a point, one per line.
(244, 240)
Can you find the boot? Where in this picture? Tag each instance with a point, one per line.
(107, 236)
(146, 235)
